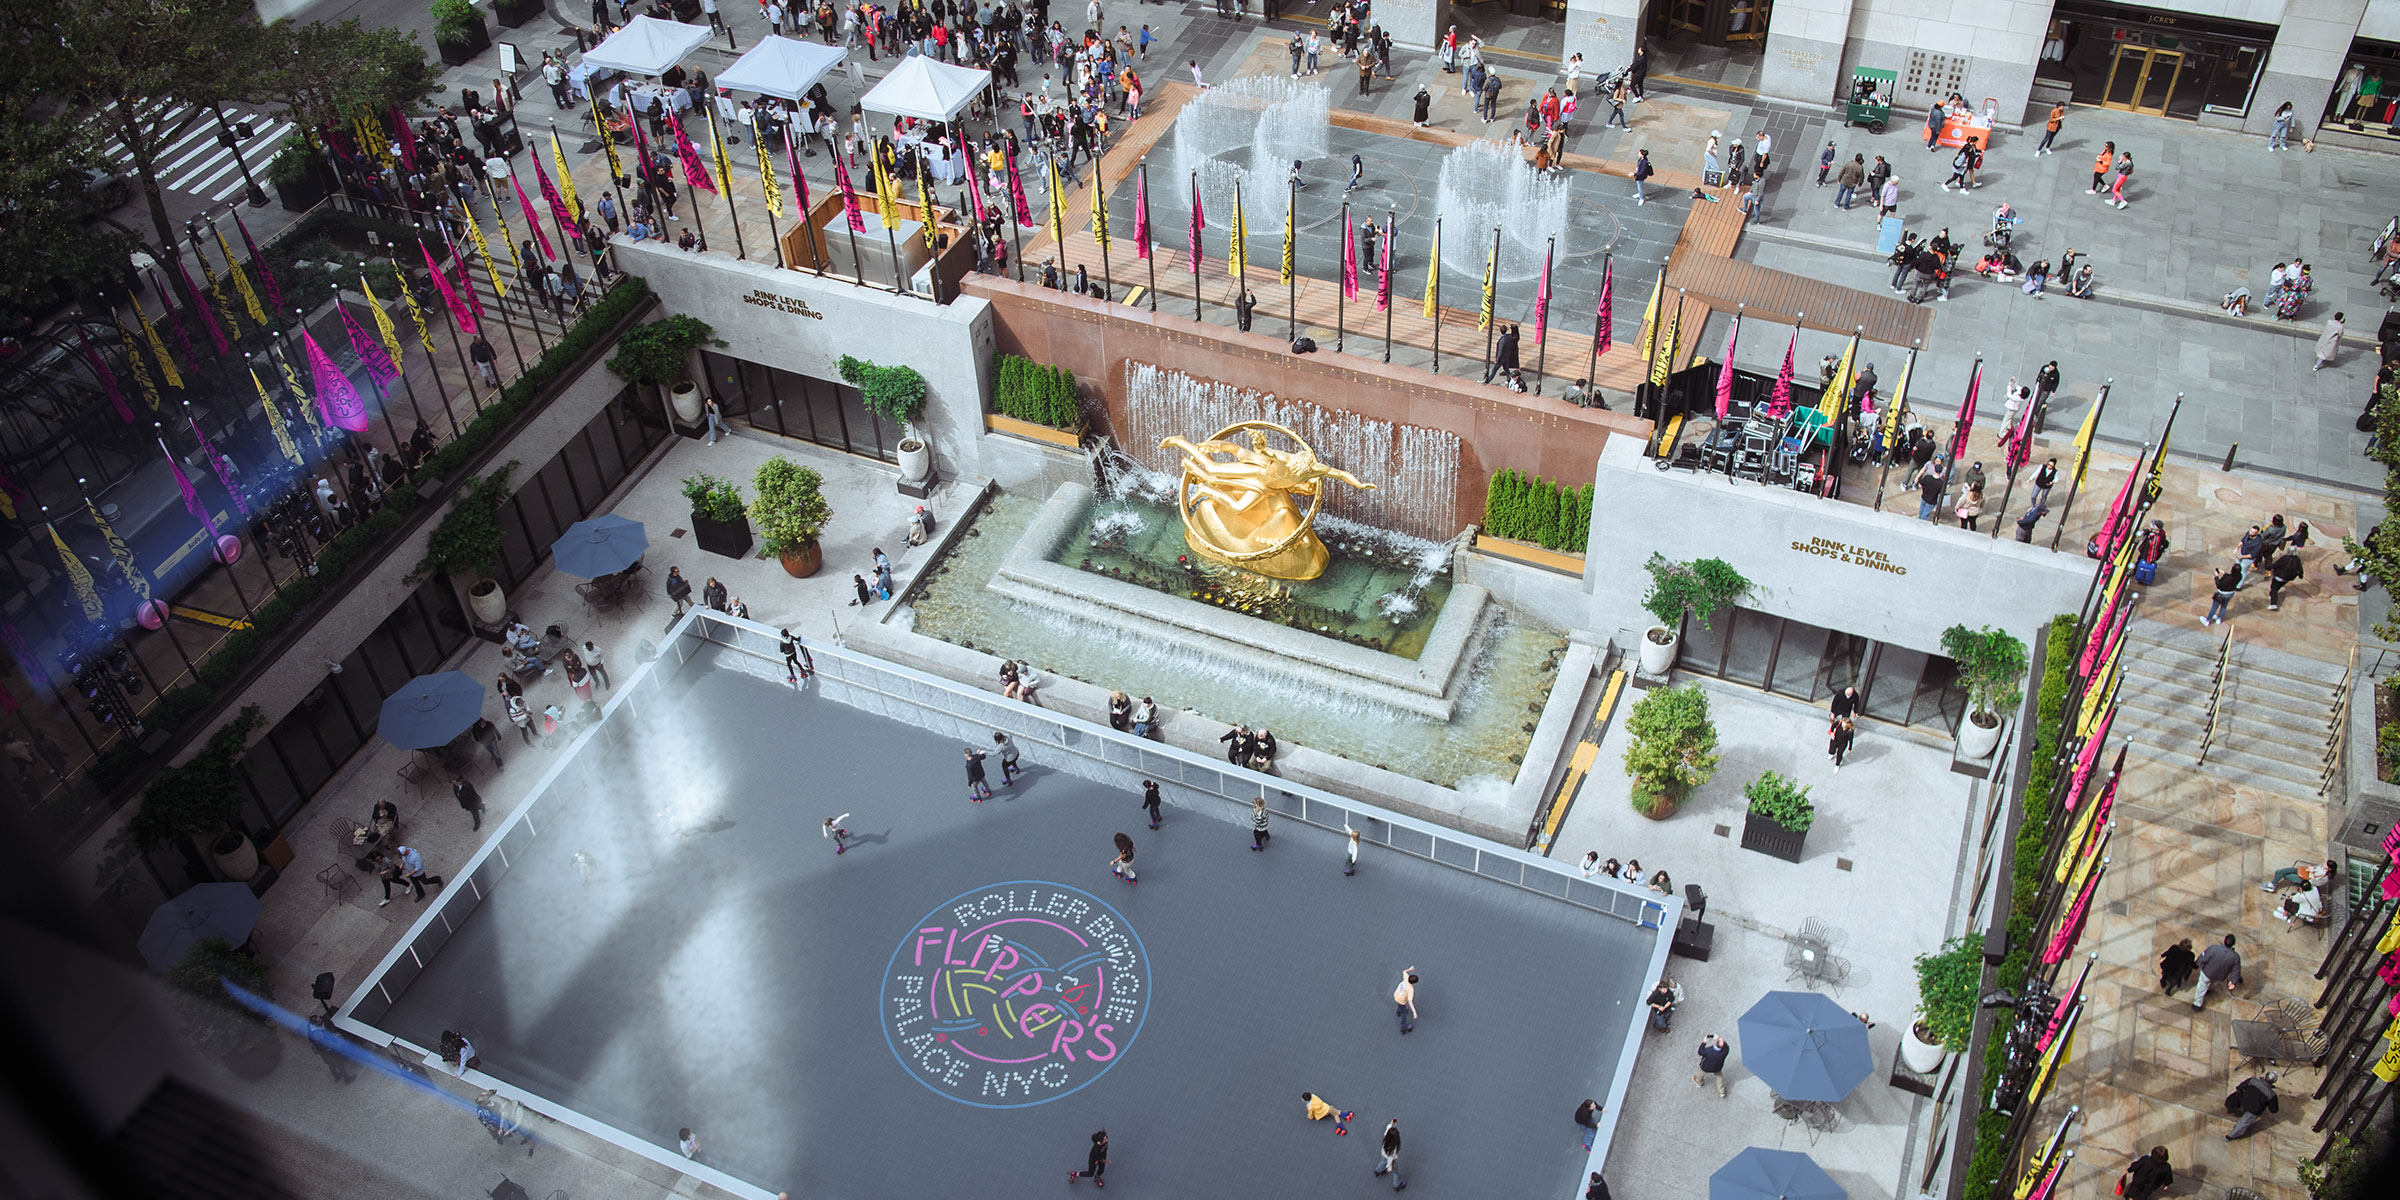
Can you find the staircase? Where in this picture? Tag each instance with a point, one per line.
(2272, 719)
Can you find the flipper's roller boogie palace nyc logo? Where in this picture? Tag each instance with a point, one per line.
(1015, 994)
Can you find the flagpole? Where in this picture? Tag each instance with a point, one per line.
(381, 401)
(1541, 322)
(1196, 313)
(1383, 277)
(1340, 293)
(1291, 278)
(2083, 465)
(533, 313)
(1108, 277)
(565, 243)
(492, 272)
(1899, 400)
(439, 391)
(400, 368)
(1150, 252)
(1433, 269)
(1491, 326)
(716, 140)
(466, 373)
(1591, 370)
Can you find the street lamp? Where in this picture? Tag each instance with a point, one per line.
(232, 136)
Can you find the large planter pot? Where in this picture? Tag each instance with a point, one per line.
(1769, 836)
(235, 857)
(1919, 1055)
(306, 192)
(459, 54)
(685, 396)
(1977, 741)
(1659, 644)
(488, 602)
(1662, 808)
(729, 538)
(514, 13)
(803, 560)
(916, 459)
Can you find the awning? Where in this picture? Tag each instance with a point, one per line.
(782, 67)
(927, 90)
(647, 46)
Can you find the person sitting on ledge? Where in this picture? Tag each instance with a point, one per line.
(1120, 712)
(1145, 718)
(1661, 884)
(1262, 750)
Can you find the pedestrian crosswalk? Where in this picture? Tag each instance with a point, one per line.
(190, 157)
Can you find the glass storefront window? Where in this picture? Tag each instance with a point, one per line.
(1808, 662)
(1751, 646)
(2151, 61)
(2366, 95)
(1798, 659)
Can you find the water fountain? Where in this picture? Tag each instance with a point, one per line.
(1250, 129)
(1488, 183)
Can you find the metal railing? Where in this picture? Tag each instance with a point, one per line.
(2216, 696)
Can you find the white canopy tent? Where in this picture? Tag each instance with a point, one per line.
(781, 67)
(927, 90)
(647, 46)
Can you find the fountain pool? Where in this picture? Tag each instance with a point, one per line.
(1508, 667)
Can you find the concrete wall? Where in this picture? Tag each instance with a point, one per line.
(1415, 24)
(2000, 38)
(803, 323)
(2306, 60)
(1603, 31)
(1924, 578)
(1805, 40)
(2382, 21)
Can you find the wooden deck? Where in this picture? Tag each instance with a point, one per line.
(1782, 296)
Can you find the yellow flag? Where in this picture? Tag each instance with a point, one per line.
(1433, 269)
(1894, 399)
(122, 553)
(1058, 209)
(300, 400)
(767, 182)
(81, 577)
(1830, 403)
(608, 138)
(416, 315)
(1650, 315)
(716, 141)
(383, 320)
(216, 290)
(2156, 484)
(508, 241)
(1237, 254)
(2083, 436)
(283, 436)
(1286, 275)
(241, 279)
(158, 349)
(1099, 214)
(484, 248)
(566, 178)
(886, 206)
(1491, 270)
(1665, 362)
(133, 359)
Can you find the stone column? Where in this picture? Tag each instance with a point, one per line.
(1603, 32)
(2305, 62)
(1805, 40)
(1416, 24)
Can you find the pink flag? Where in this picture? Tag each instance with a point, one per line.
(2120, 511)
(2066, 1003)
(531, 221)
(1966, 416)
(1541, 305)
(1016, 188)
(222, 466)
(694, 171)
(335, 397)
(1197, 221)
(406, 138)
(558, 203)
(191, 499)
(466, 282)
(1725, 369)
(1141, 213)
(858, 220)
(267, 288)
(2089, 756)
(100, 371)
(207, 319)
(1780, 401)
(169, 317)
(1606, 323)
(2020, 440)
(1349, 256)
(371, 353)
(441, 282)
(791, 155)
(1383, 283)
(967, 156)
(2071, 929)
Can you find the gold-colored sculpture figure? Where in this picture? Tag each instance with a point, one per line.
(1239, 508)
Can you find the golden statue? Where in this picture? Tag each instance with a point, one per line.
(1239, 508)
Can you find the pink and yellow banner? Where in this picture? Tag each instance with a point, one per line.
(335, 396)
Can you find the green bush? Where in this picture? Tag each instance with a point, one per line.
(200, 798)
(896, 394)
(1699, 587)
(1781, 800)
(660, 353)
(454, 21)
(467, 541)
(1025, 390)
(790, 509)
(713, 499)
(1991, 665)
(1672, 743)
(1948, 982)
(1532, 509)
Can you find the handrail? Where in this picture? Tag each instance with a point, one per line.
(2337, 731)
(2216, 696)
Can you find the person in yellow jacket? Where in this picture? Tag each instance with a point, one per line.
(1318, 1110)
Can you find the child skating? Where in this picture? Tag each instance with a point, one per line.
(1350, 867)
(977, 789)
(1008, 758)
(1122, 865)
(840, 836)
(1318, 1110)
(1095, 1162)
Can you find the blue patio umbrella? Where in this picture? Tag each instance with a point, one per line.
(1804, 1046)
(225, 910)
(604, 545)
(430, 710)
(1762, 1174)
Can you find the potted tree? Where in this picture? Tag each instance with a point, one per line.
(1779, 816)
(201, 802)
(659, 354)
(513, 13)
(240, 1037)
(1673, 748)
(466, 546)
(896, 394)
(298, 174)
(1991, 667)
(718, 522)
(791, 511)
(1948, 982)
(458, 31)
(1699, 587)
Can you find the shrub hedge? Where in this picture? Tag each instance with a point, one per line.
(1983, 1149)
(1035, 392)
(1529, 508)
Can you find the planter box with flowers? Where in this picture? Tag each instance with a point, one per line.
(720, 524)
(1779, 816)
